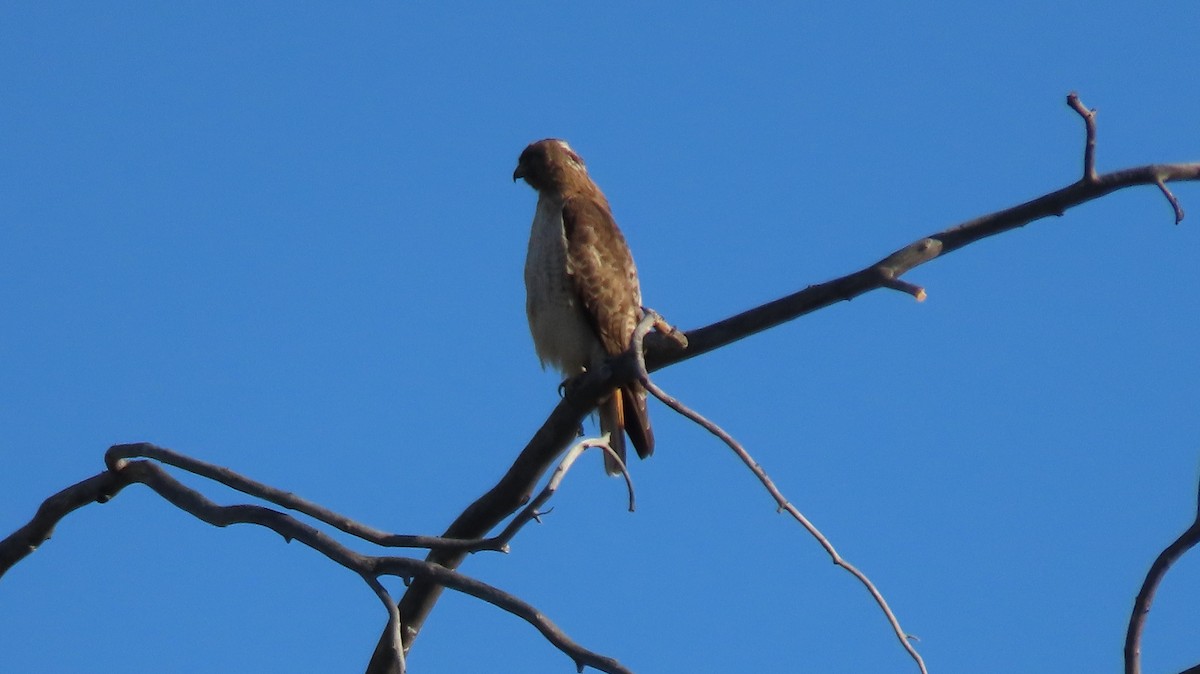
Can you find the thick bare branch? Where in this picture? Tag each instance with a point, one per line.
(21, 543)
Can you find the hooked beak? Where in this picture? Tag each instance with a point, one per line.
(518, 173)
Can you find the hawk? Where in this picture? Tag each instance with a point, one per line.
(581, 288)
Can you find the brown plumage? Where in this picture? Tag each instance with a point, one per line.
(582, 296)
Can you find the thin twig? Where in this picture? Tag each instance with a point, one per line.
(1171, 200)
(759, 472)
(905, 287)
(532, 510)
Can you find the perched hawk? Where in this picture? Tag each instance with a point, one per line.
(581, 288)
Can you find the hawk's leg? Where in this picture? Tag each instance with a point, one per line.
(565, 388)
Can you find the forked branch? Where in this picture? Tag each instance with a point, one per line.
(886, 273)
(122, 472)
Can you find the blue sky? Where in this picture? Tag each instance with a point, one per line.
(282, 237)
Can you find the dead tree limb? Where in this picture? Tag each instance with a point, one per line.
(1141, 606)
(123, 472)
(557, 432)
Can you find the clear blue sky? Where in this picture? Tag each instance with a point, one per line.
(283, 237)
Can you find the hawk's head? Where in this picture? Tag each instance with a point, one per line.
(548, 164)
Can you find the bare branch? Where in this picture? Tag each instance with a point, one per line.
(1141, 606)
(510, 493)
(661, 352)
(521, 609)
(123, 472)
(117, 456)
(905, 287)
(1089, 148)
(604, 444)
(558, 431)
(19, 544)
(531, 511)
(393, 624)
(1171, 200)
(886, 273)
(769, 484)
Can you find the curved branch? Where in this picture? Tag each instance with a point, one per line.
(433, 573)
(117, 456)
(21, 543)
(366, 566)
(532, 510)
(124, 472)
(1162, 186)
(1141, 606)
(393, 622)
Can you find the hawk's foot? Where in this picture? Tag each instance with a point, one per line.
(667, 330)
